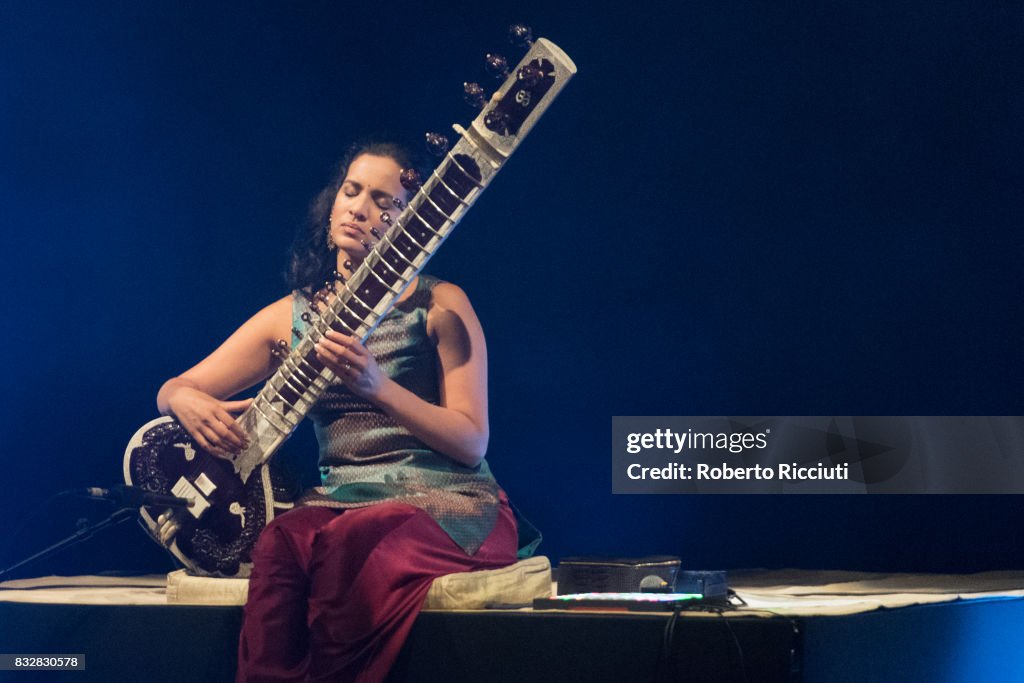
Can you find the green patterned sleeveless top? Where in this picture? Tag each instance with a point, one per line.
(366, 457)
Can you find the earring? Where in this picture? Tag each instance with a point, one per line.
(331, 246)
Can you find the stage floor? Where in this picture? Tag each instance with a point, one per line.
(798, 625)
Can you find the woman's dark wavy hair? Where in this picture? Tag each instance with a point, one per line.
(310, 262)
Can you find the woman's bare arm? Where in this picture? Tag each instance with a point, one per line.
(197, 397)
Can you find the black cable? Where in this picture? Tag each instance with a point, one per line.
(736, 641)
(734, 601)
(793, 622)
(32, 517)
(664, 672)
(83, 534)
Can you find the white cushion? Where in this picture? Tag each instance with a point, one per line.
(516, 584)
(205, 590)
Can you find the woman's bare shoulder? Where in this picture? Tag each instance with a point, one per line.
(270, 323)
(450, 313)
(447, 295)
(282, 306)
(244, 358)
(276, 317)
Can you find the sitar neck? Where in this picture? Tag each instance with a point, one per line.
(415, 235)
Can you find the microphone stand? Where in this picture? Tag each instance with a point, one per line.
(83, 534)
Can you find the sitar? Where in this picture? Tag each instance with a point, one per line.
(233, 498)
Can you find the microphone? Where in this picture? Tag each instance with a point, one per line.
(133, 496)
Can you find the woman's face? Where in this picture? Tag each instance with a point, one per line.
(370, 186)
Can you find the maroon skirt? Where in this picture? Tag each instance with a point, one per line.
(334, 593)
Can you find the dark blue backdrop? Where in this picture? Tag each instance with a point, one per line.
(735, 208)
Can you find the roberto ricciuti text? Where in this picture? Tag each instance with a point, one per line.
(723, 472)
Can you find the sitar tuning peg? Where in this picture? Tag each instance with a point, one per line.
(530, 75)
(280, 349)
(520, 35)
(474, 95)
(437, 144)
(497, 121)
(410, 179)
(496, 65)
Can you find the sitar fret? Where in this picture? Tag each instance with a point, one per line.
(395, 251)
(305, 379)
(338, 325)
(258, 407)
(296, 378)
(472, 174)
(391, 277)
(367, 312)
(444, 218)
(416, 222)
(273, 407)
(444, 185)
(288, 392)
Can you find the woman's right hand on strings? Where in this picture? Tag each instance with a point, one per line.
(209, 421)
